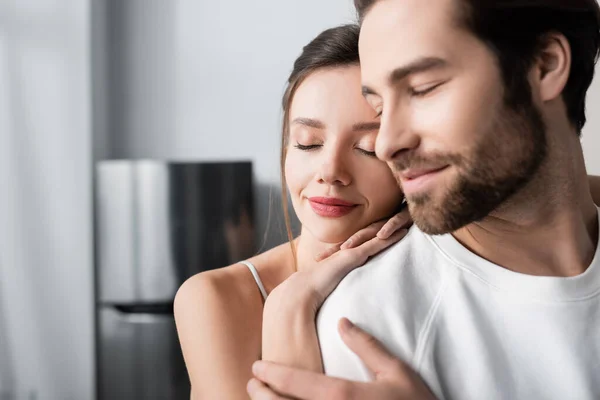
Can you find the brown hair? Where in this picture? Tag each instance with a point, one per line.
(515, 31)
(335, 47)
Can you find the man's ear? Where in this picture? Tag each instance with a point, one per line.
(553, 66)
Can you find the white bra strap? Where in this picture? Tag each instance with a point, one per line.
(259, 283)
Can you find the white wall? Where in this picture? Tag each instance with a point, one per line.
(591, 132)
(46, 286)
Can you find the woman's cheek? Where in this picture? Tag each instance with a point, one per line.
(295, 173)
(381, 189)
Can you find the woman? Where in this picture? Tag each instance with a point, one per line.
(337, 186)
(335, 182)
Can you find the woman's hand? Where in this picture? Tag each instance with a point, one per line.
(313, 285)
(289, 331)
(382, 229)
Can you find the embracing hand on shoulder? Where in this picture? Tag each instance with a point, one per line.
(311, 286)
(288, 331)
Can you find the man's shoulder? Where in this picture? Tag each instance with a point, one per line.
(414, 263)
(392, 296)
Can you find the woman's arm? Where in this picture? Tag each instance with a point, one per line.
(595, 188)
(219, 319)
(289, 334)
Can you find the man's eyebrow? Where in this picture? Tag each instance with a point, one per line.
(311, 123)
(417, 66)
(366, 126)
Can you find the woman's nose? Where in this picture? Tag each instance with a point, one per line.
(334, 171)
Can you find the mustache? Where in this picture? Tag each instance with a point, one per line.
(420, 161)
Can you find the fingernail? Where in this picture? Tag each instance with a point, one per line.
(346, 244)
(345, 325)
(383, 234)
(251, 385)
(258, 367)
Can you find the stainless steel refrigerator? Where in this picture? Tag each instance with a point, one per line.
(158, 223)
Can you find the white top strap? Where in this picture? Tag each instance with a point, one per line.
(254, 272)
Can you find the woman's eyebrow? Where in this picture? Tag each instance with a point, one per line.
(311, 123)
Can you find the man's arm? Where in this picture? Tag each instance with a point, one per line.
(394, 380)
(595, 188)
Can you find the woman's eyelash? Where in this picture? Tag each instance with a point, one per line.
(314, 146)
(308, 147)
(367, 153)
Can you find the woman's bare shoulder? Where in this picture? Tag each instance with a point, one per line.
(274, 266)
(232, 287)
(219, 322)
(225, 287)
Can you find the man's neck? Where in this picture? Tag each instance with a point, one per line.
(549, 228)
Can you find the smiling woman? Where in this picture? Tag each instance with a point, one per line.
(338, 188)
(331, 170)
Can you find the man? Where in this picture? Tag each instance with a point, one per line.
(496, 295)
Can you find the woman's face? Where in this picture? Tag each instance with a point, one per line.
(337, 185)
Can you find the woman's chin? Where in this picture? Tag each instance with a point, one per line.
(333, 231)
(334, 237)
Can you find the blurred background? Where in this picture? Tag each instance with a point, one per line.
(180, 82)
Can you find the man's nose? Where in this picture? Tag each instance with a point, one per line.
(395, 136)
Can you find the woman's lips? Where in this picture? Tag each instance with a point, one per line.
(330, 207)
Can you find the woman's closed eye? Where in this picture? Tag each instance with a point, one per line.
(308, 147)
(366, 152)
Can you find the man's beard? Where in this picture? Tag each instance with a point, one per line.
(502, 163)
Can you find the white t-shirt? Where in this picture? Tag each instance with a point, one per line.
(470, 328)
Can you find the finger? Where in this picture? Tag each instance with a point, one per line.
(297, 383)
(325, 280)
(375, 356)
(363, 235)
(374, 246)
(259, 391)
(398, 221)
(327, 253)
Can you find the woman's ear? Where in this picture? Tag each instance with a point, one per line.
(553, 66)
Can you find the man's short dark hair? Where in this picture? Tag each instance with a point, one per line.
(516, 30)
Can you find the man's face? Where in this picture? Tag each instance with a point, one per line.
(455, 146)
